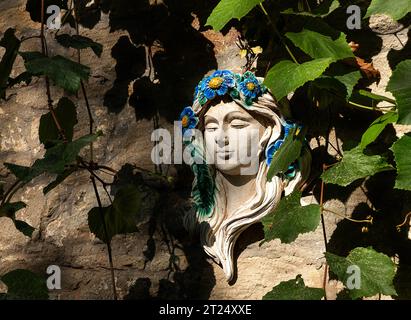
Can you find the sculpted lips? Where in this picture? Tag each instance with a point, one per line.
(225, 154)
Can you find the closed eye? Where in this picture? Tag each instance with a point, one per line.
(211, 127)
(239, 124)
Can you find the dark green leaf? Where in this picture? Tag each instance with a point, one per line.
(323, 10)
(401, 150)
(66, 113)
(59, 179)
(25, 285)
(355, 165)
(65, 73)
(55, 159)
(119, 218)
(79, 42)
(397, 9)
(400, 86)
(319, 46)
(12, 45)
(286, 76)
(230, 9)
(377, 271)
(376, 128)
(289, 151)
(348, 76)
(294, 289)
(326, 90)
(290, 219)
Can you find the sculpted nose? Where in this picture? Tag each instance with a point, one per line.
(221, 139)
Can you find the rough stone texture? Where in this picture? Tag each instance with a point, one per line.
(144, 261)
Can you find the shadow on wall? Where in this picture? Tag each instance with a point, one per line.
(181, 55)
(166, 222)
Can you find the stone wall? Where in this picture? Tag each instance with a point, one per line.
(160, 260)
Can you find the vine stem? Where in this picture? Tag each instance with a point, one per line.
(408, 215)
(370, 108)
(348, 218)
(93, 176)
(83, 88)
(49, 100)
(324, 236)
(110, 256)
(278, 33)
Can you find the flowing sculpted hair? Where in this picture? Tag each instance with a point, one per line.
(218, 231)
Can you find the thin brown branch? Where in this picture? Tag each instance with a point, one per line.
(404, 222)
(324, 236)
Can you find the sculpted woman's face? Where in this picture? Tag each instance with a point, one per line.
(232, 136)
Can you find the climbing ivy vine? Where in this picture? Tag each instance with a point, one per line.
(63, 156)
(320, 65)
(315, 63)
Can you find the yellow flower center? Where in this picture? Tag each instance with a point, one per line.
(215, 82)
(250, 86)
(184, 121)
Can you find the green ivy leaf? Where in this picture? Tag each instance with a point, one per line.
(397, 9)
(120, 217)
(353, 166)
(65, 73)
(230, 9)
(401, 149)
(376, 128)
(286, 76)
(289, 151)
(48, 132)
(55, 159)
(24, 285)
(377, 271)
(294, 289)
(400, 86)
(12, 44)
(290, 219)
(319, 46)
(9, 210)
(323, 10)
(79, 42)
(348, 76)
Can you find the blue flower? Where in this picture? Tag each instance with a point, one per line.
(271, 149)
(217, 84)
(250, 87)
(188, 119)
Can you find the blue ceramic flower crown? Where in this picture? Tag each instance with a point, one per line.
(245, 87)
